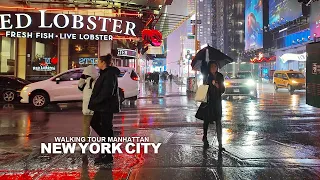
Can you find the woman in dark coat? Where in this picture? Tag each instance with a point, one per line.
(216, 89)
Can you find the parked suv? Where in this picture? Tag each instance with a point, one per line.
(64, 88)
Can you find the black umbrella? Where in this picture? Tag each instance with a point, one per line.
(200, 61)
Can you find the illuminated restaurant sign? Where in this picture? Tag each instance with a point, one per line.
(88, 60)
(46, 64)
(67, 23)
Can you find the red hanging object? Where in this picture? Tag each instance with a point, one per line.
(152, 36)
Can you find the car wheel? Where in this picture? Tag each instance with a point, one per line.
(8, 96)
(290, 89)
(275, 87)
(40, 100)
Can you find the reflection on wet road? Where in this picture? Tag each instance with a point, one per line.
(273, 137)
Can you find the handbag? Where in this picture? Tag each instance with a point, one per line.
(203, 111)
(201, 94)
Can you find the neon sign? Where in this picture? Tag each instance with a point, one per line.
(48, 64)
(261, 58)
(61, 23)
(88, 61)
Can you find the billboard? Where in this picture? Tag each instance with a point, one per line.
(283, 11)
(254, 24)
(315, 19)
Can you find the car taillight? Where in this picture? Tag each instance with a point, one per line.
(134, 76)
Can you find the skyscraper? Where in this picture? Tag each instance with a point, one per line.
(222, 25)
(206, 31)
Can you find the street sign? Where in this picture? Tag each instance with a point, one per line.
(194, 21)
(190, 36)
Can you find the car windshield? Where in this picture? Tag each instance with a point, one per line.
(22, 81)
(242, 75)
(296, 76)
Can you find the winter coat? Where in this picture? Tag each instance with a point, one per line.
(214, 97)
(105, 95)
(86, 85)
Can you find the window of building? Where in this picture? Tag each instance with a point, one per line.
(82, 53)
(7, 55)
(42, 59)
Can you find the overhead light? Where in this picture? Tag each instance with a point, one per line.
(283, 30)
(117, 4)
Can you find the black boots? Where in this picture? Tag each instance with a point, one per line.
(205, 142)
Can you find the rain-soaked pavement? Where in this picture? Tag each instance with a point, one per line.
(273, 137)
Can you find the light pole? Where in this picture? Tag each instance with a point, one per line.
(196, 40)
(181, 57)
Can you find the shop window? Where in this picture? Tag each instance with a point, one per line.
(42, 59)
(82, 53)
(125, 62)
(7, 56)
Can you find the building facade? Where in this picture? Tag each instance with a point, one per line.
(206, 29)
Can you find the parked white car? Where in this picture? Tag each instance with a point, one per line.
(243, 84)
(64, 88)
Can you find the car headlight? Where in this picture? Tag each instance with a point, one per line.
(25, 88)
(250, 82)
(226, 83)
(293, 81)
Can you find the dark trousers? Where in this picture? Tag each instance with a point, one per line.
(102, 123)
(218, 129)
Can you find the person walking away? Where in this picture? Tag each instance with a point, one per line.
(86, 84)
(170, 77)
(104, 102)
(216, 89)
(157, 77)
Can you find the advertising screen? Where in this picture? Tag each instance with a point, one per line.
(254, 24)
(315, 19)
(282, 11)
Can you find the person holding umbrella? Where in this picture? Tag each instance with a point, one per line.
(216, 89)
(212, 110)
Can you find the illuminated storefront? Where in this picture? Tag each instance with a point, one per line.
(7, 56)
(125, 57)
(38, 45)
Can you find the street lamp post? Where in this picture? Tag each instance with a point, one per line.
(196, 39)
(181, 58)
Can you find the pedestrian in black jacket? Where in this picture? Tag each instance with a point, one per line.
(104, 102)
(216, 89)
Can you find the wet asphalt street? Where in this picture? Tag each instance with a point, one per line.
(276, 136)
